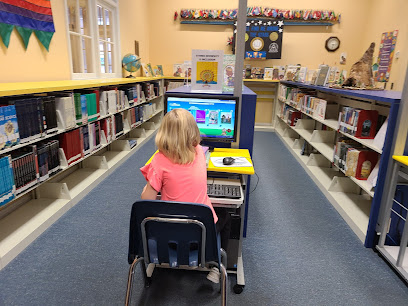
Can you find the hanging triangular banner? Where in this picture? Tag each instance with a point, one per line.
(27, 16)
(25, 35)
(44, 38)
(5, 32)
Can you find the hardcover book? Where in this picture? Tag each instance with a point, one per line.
(268, 73)
(322, 76)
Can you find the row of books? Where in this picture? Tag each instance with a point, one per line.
(26, 167)
(31, 117)
(290, 115)
(304, 100)
(358, 122)
(353, 159)
(22, 120)
(80, 142)
(323, 76)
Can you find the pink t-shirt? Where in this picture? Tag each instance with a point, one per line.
(183, 183)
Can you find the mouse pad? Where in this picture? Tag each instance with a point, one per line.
(238, 162)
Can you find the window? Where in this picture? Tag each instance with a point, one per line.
(93, 38)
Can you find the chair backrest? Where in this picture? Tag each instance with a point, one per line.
(168, 240)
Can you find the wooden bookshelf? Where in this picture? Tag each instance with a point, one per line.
(356, 201)
(23, 219)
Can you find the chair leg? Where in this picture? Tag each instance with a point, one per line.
(130, 278)
(223, 257)
(224, 281)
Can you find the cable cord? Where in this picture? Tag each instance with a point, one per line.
(256, 184)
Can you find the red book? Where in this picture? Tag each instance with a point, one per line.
(366, 123)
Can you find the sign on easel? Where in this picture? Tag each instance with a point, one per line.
(385, 56)
(206, 71)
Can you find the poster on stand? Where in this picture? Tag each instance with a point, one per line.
(385, 56)
(206, 71)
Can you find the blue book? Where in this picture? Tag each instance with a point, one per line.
(84, 110)
(3, 137)
(7, 181)
(11, 126)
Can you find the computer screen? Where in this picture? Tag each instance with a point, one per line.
(216, 116)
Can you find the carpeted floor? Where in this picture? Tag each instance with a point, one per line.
(298, 249)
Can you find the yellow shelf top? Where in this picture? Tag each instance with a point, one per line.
(401, 159)
(224, 152)
(23, 88)
(261, 80)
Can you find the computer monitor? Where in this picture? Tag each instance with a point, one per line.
(216, 116)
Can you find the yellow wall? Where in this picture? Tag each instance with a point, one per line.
(165, 41)
(386, 16)
(133, 26)
(35, 63)
(361, 23)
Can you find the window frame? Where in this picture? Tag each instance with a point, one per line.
(112, 5)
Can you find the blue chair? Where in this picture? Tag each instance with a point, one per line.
(175, 234)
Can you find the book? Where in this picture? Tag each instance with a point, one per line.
(187, 69)
(331, 79)
(275, 73)
(65, 110)
(310, 76)
(7, 185)
(50, 114)
(228, 72)
(151, 72)
(9, 132)
(268, 73)
(322, 76)
(359, 163)
(178, 70)
(301, 76)
(146, 70)
(320, 109)
(92, 111)
(281, 72)
(160, 70)
(290, 72)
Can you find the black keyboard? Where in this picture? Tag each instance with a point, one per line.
(223, 191)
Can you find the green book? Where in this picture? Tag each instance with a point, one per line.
(91, 107)
(78, 108)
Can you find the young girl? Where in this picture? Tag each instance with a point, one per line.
(179, 169)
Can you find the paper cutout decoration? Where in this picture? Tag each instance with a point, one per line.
(27, 16)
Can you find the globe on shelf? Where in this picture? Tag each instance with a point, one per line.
(131, 63)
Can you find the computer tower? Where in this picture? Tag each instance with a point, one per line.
(233, 243)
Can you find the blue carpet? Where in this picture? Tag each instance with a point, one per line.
(298, 249)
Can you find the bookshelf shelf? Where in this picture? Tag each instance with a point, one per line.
(356, 201)
(28, 215)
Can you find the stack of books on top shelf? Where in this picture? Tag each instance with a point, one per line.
(353, 159)
(360, 123)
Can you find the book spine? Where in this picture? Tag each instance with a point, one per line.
(78, 108)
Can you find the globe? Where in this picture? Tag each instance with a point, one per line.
(131, 63)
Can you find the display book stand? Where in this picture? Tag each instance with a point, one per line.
(355, 200)
(38, 207)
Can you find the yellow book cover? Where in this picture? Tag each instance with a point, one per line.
(207, 72)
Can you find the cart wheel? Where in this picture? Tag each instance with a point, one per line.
(238, 288)
(148, 282)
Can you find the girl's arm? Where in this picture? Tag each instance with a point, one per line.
(149, 193)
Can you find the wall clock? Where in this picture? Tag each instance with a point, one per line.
(332, 44)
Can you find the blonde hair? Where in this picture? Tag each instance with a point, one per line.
(178, 136)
